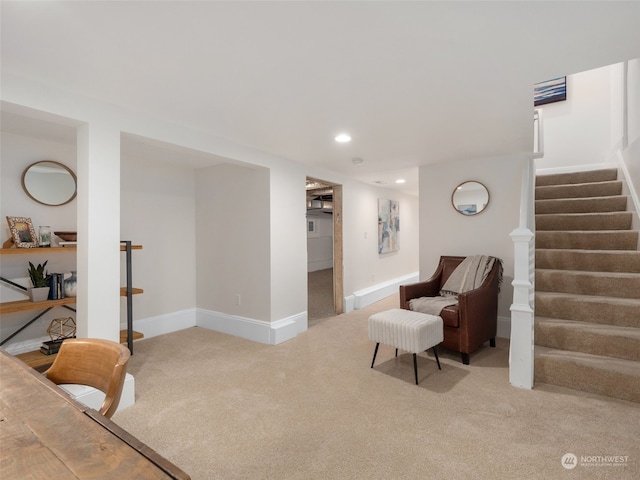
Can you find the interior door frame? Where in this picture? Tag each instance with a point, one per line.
(338, 273)
(338, 268)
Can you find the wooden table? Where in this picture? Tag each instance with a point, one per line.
(45, 434)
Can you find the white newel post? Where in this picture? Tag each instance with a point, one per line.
(521, 359)
(98, 255)
(522, 314)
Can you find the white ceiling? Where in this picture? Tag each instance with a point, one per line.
(412, 82)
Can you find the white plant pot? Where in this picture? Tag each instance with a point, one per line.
(39, 294)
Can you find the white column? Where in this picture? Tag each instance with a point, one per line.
(98, 262)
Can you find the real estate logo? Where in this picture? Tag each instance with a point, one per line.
(569, 461)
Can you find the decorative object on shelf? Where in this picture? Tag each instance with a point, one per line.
(49, 183)
(39, 278)
(67, 236)
(44, 235)
(56, 284)
(39, 294)
(59, 330)
(22, 232)
(62, 328)
(70, 284)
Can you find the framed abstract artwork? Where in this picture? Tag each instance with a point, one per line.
(388, 225)
(554, 90)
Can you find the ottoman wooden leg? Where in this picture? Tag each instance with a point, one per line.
(375, 352)
(415, 367)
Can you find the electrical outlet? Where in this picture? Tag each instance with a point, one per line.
(238, 300)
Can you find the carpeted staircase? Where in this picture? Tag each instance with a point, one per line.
(587, 301)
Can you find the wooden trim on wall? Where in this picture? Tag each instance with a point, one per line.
(338, 289)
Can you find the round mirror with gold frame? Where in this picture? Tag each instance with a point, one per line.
(470, 198)
(49, 183)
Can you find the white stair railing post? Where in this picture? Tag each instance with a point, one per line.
(521, 354)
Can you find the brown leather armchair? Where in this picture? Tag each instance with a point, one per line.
(471, 322)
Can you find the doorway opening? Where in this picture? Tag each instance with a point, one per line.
(325, 296)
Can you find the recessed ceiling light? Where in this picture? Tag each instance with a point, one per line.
(343, 138)
(400, 180)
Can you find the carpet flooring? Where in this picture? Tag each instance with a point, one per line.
(320, 296)
(222, 407)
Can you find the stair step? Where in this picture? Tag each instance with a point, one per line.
(601, 189)
(622, 312)
(589, 260)
(597, 374)
(615, 203)
(608, 284)
(592, 338)
(588, 240)
(584, 221)
(599, 175)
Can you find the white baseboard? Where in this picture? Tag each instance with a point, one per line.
(93, 398)
(349, 303)
(575, 168)
(270, 333)
(320, 265)
(166, 323)
(375, 293)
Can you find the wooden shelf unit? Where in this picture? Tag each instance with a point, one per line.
(36, 358)
(31, 251)
(69, 248)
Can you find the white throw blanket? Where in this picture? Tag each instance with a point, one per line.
(467, 276)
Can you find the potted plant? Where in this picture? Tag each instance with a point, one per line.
(39, 277)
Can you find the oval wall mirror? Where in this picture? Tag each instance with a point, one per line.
(470, 198)
(50, 183)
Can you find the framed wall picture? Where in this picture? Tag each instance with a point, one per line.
(388, 225)
(554, 90)
(22, 232)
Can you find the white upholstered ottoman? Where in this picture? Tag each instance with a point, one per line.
(411, 331)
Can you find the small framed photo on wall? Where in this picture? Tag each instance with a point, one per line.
(22, 232)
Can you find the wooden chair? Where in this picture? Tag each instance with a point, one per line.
(100, 364)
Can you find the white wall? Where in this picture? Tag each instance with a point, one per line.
(578, 131)
(633, 104)
(632, 155)
(232, 241)
(363, 265)
(288, 240)
(286, 257)
(17, 153)
(444, 231)
(158, 212)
